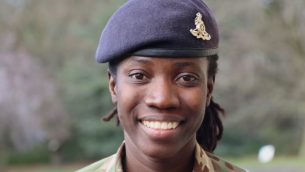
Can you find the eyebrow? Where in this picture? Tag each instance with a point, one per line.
(140, 60)
(185, 64)
(182, 64)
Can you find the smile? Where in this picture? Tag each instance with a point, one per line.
(162, 125)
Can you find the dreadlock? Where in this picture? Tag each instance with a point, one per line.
(211, 129)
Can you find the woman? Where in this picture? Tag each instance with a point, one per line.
(162, 57)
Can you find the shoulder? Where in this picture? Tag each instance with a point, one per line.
(220, 164)
(99, 166)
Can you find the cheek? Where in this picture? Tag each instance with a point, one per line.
(196, 106)
(127, 99)
(196, 99)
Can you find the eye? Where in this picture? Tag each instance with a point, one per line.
(138, 76)
(187, 79)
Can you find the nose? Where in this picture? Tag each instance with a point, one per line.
(162, 95)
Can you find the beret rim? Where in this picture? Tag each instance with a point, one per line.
(160, 52)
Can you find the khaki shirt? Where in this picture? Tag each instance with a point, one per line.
(205, 162)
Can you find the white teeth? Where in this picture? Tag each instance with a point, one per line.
(161, 125)
(175, 124)
(170, 125)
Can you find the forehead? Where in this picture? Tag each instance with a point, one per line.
(195, 62)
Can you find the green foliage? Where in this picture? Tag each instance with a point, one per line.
(85, 91)
(277, 129)
(236, 142)
(38, 154)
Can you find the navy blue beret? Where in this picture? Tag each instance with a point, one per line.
(159, 28)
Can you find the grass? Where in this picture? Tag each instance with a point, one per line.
(288, 163)
(44, 168)
(294, 164)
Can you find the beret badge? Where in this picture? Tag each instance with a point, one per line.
(200, 32)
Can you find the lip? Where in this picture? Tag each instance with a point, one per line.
(166, 118)
(158, 133)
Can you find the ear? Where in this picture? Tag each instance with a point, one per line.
(112, 87)
(210, 87)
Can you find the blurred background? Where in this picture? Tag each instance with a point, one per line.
(52, 93)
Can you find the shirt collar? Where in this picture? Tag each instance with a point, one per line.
(202, 164)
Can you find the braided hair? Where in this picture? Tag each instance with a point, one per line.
(211, 129)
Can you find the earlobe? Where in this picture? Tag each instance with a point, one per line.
(112, 87)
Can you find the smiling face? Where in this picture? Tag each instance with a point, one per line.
(161, 103)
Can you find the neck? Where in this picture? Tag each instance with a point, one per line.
(181, 161)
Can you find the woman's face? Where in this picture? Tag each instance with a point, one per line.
(161, 102)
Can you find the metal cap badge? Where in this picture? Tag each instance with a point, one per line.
(200, 32)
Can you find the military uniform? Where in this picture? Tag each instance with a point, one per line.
(205, 162)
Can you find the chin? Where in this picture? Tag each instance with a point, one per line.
(159, 152)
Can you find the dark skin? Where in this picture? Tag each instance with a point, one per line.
(161, 104)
